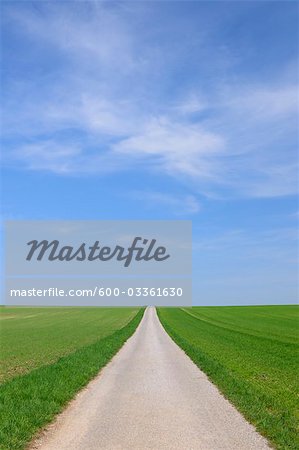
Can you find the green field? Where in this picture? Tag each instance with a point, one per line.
(47, 355)
(251, 354)
(33, 337)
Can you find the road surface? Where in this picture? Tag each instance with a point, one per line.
(150, 396)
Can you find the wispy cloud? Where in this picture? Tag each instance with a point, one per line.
(174, 147)
(48, 155)
(270, 102)
(104, 107)
(272, 248)
(179, 205)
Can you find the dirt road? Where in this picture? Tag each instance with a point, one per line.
(150, 396)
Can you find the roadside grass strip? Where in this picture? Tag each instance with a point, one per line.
(29, 402)
(252, 356)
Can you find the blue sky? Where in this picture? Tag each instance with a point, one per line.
(161, 110)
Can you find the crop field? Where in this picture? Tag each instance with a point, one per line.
(33, 337)
(251, 354)
(47, 355)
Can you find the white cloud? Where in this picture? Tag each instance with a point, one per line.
(48, 155)
(104, 109)
(269, 102)
(175, 148)
(191, 104)
(178, 204)
(94, 34)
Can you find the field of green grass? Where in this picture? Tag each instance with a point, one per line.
(47, 355)
(33, 337)
(251, 354)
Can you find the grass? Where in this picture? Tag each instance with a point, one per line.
(33, 337)
(86, 338)
(251, 354)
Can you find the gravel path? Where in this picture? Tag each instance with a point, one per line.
(150, 396)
